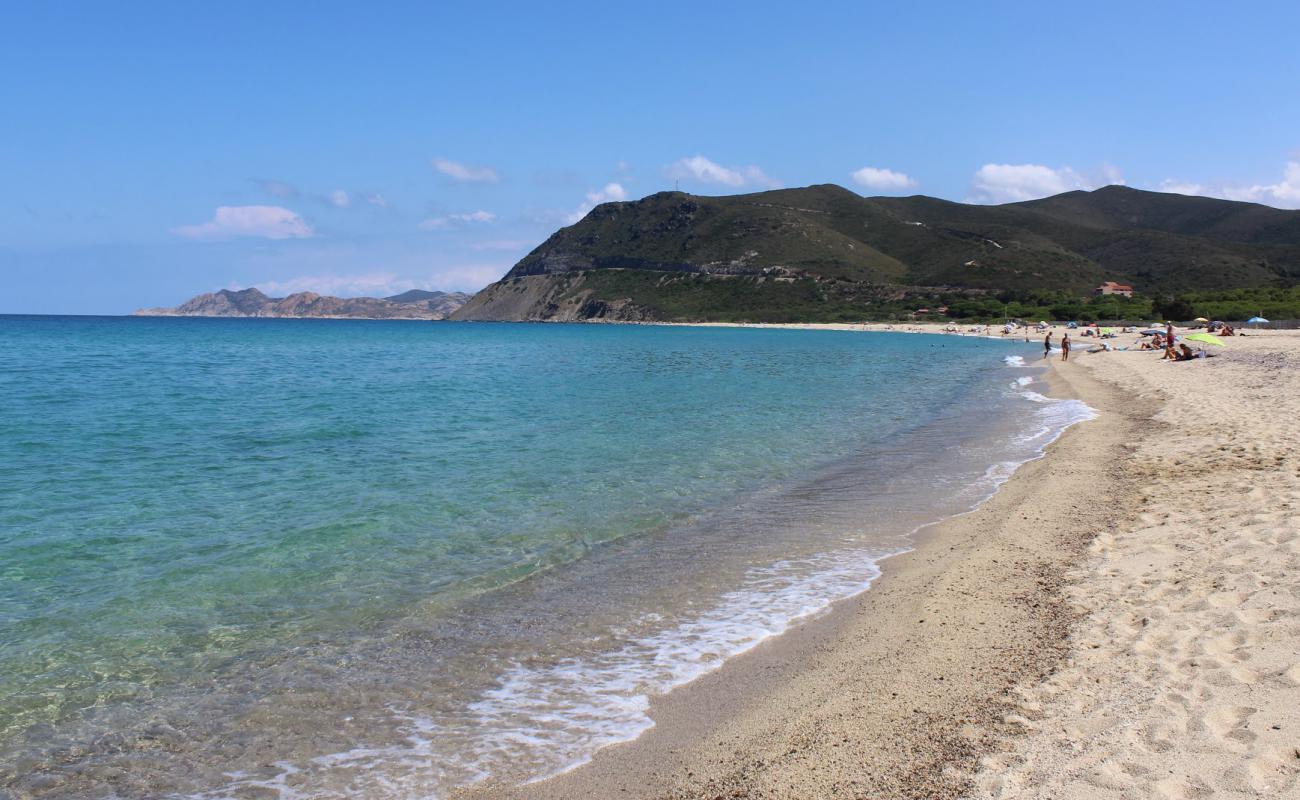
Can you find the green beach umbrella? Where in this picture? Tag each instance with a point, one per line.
(1208, 338)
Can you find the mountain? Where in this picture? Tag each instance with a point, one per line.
(416, 304)
(824, 250)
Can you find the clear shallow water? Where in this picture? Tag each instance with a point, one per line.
(246, 558)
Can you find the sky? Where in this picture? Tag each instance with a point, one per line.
(153, 151)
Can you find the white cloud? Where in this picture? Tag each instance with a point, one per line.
(610, 193)
(453, 220)
(375, 199)
(885, 179)
(699, 168)
(1283, 194)
(1183, 187)
(267, 222)
(338, 198)
(1012, 183)
(465, 173)
(1111, 175)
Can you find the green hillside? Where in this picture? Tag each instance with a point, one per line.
(814, 230)
(824, 251)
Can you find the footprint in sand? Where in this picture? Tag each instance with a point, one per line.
(1245, 675)
(1256, 616)
(1227, 599)
(1274, 772)
(1229, 724)
(1227, 646)
(1182, 789)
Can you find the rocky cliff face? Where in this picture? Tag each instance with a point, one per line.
(549, 298)
(253, 303)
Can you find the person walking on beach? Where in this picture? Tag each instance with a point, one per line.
(1047, 345)
(1065, 347)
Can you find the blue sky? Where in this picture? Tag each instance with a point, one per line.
(152, 151)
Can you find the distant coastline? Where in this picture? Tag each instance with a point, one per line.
(416, 304)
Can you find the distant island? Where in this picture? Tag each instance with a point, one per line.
(824, 253)
(415, 304)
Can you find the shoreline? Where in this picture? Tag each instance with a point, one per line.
(866, 697)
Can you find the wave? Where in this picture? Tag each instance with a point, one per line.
(539, 722)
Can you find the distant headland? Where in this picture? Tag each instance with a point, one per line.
(415, 304)
(826, 254)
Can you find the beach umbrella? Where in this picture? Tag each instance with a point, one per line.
(1200, 319)
(1208, 338)
(1255, 320)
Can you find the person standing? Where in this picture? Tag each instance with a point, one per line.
(1047, 345)
(1065, 347)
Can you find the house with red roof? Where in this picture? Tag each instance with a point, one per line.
(1111, 287)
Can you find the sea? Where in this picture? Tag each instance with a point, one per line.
(266, 558)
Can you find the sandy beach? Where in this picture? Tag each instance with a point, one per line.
(1183, 675)
(1119, 620)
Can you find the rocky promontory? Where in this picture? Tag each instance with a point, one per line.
(414, 304)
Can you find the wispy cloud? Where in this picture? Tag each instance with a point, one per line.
(471, 276)
(883, 179)
(1184, 187)
(1283, 194)
(465, 277)
(281, 189)
(373, 284)
(610, 193)
(337, 198)
(453, 220)
(503, 244)
(465, 173)
(703, 170)
(1012, 183)
(266, 222)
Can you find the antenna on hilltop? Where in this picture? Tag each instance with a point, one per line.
(675, 182)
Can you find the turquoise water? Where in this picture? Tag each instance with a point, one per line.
(228, 544)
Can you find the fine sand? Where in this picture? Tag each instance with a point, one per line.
(1183, 679)
(1120, 620)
